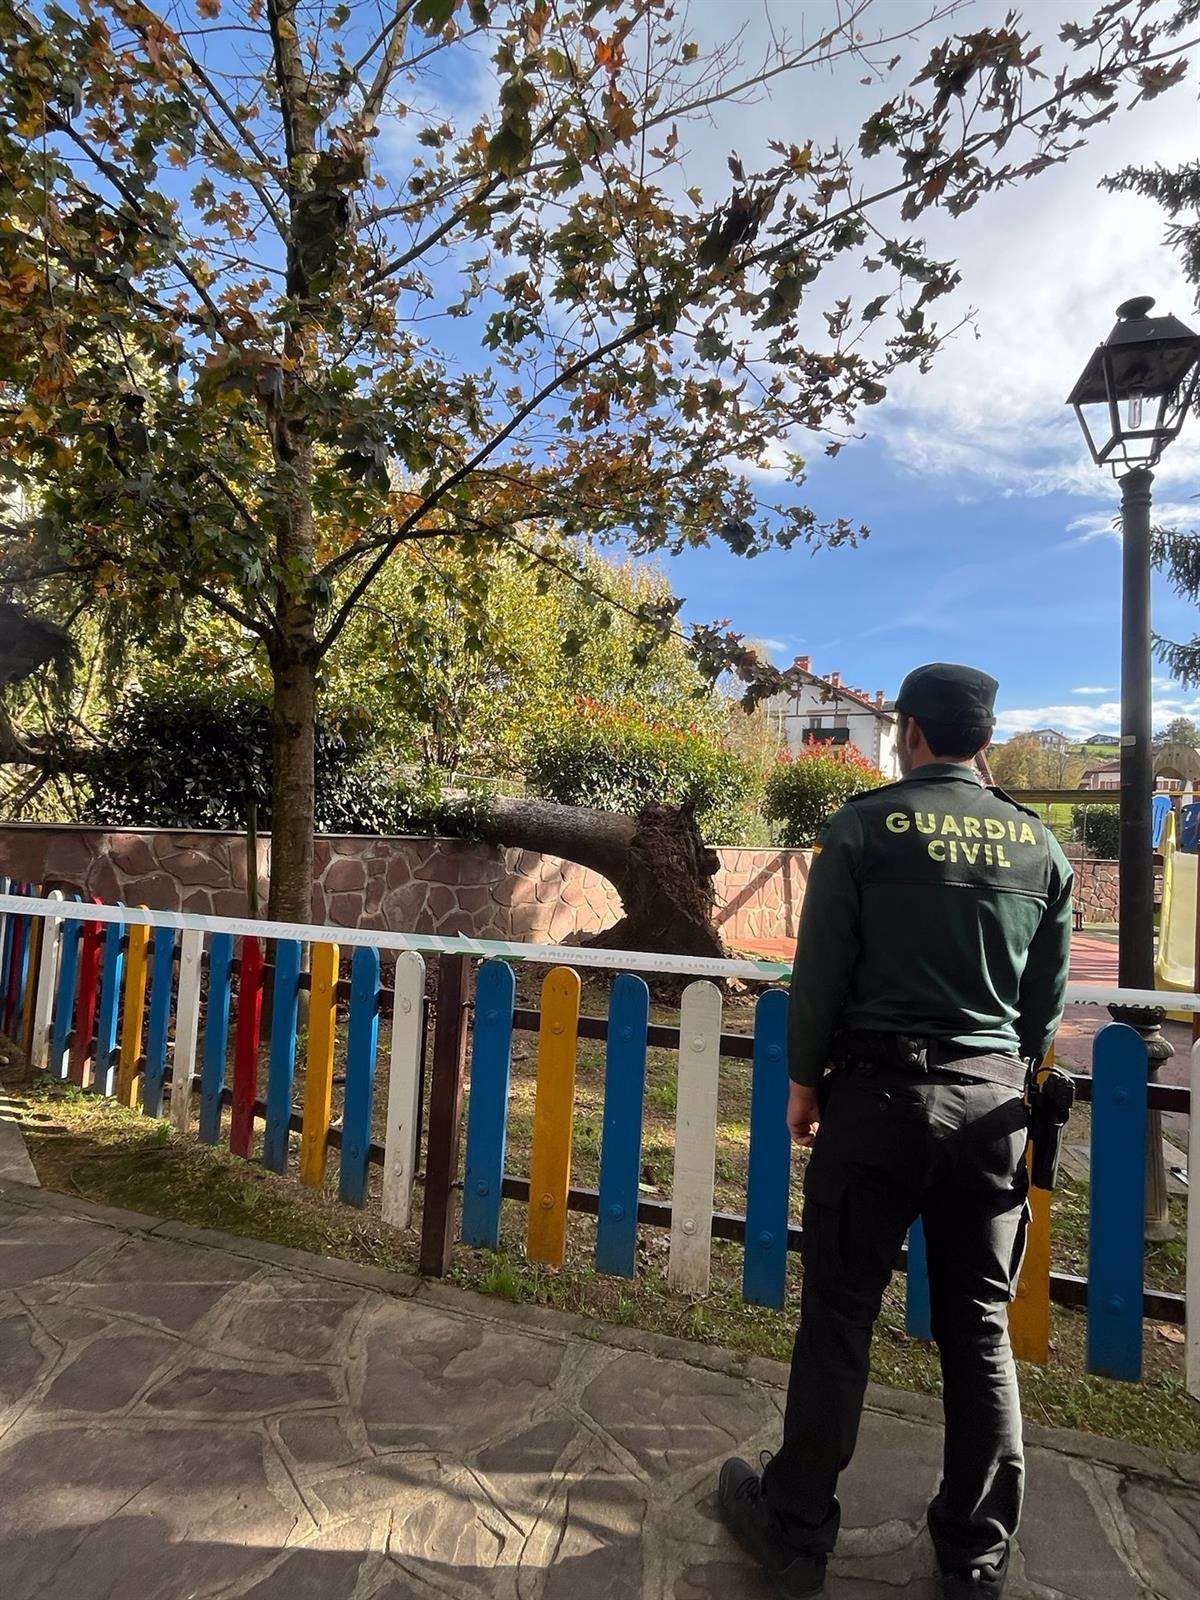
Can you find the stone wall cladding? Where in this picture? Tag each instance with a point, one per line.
(1096, 892)
(402, 885)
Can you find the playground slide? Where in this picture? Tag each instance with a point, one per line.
(1175, 964)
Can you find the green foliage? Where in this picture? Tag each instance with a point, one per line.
(461, 654)
(191, 754)
(806, 789)
(1099, 830)
(594, 756)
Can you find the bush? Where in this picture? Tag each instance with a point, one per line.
(188, 754)
(1099, 830)
(596, 756)
(806, 789)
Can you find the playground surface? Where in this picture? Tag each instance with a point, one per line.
(185, 1414)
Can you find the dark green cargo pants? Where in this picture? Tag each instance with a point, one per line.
(892, 1147)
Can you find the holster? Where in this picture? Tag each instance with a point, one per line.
(1050, 1094)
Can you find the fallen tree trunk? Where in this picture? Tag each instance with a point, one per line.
(657, 862)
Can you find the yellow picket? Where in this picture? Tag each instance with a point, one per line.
(1029, 1313)
(137, 968)
(318, 1075)
(554, 1108)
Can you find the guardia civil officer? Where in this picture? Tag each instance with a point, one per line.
(932, 956)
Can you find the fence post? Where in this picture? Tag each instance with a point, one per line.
(1192, 1312)
(112, 985)
(43, 1005)
(187, 1028)
(768, 1182)
(1116, 1238)
(87, 996)
(487, 1118)
(445, 1116)
(918, 1318)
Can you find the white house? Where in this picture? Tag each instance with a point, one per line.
(1049, 738)
(827, 709)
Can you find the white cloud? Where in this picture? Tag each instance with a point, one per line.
(1096, 689)
(1104, 717)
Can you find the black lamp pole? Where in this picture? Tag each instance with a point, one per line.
(1136, 858)
(1131, 400)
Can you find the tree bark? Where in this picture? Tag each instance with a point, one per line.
(293, 789)
(657, 862)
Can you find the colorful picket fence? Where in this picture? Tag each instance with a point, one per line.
(128, 1002)
(116, 1006)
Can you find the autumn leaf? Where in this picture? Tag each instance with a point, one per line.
(1169, 1334)
(209, 8)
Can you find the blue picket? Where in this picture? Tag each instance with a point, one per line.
(20, 977)
(764, 1272)
(1116, 1248)
(361, 1047)
(64, 1004)
(216, 1035)
(112, 973)
(11, 886)
(918, 1319)
(162, 975)
(621, 1138)
(7, 886)
(487, 1110)
(282, 1066)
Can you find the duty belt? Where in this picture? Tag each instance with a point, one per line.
(902, 1051)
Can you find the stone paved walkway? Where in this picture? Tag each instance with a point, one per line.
(185, 1416)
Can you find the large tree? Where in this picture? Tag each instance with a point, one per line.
(287, 288)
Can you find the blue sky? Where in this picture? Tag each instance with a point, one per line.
(991, 530)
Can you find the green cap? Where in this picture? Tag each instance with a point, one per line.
(946, 692)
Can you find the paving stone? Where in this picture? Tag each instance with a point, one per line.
(872, 1490)
(109, 1372)
(36, 1247)
(674, 1418)
(1166, 1525)
(444, 1527)
(599, 1543)
(163, 1514)
(317, 1440)
(21, 1359)
(326, 1568)
(450, 1384)
(531, 1454)
(209, 1389)
(175, 1285)
(283, 1316)
(1066, 1543)
(720, 1580)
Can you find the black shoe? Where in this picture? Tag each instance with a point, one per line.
(739, 1495)
(982, 1582)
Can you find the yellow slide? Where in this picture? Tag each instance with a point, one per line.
(1175, 962)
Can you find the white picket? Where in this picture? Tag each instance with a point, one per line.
(43, 1000)
(1192, 1305)
(404, 1084)
(187, 1028)
(695, 1138)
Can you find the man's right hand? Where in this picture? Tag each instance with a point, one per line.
(803, 1113)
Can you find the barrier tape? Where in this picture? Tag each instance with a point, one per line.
(511, 950)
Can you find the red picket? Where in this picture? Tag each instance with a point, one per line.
(245, 1049)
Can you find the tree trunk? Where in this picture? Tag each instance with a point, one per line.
(293, 784)
(656, 861)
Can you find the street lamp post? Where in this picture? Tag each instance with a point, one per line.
(1148, 366)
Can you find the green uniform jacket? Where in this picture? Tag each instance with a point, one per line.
(935, 908)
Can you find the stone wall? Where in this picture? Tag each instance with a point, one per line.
(406, 885)
(1096, 893)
